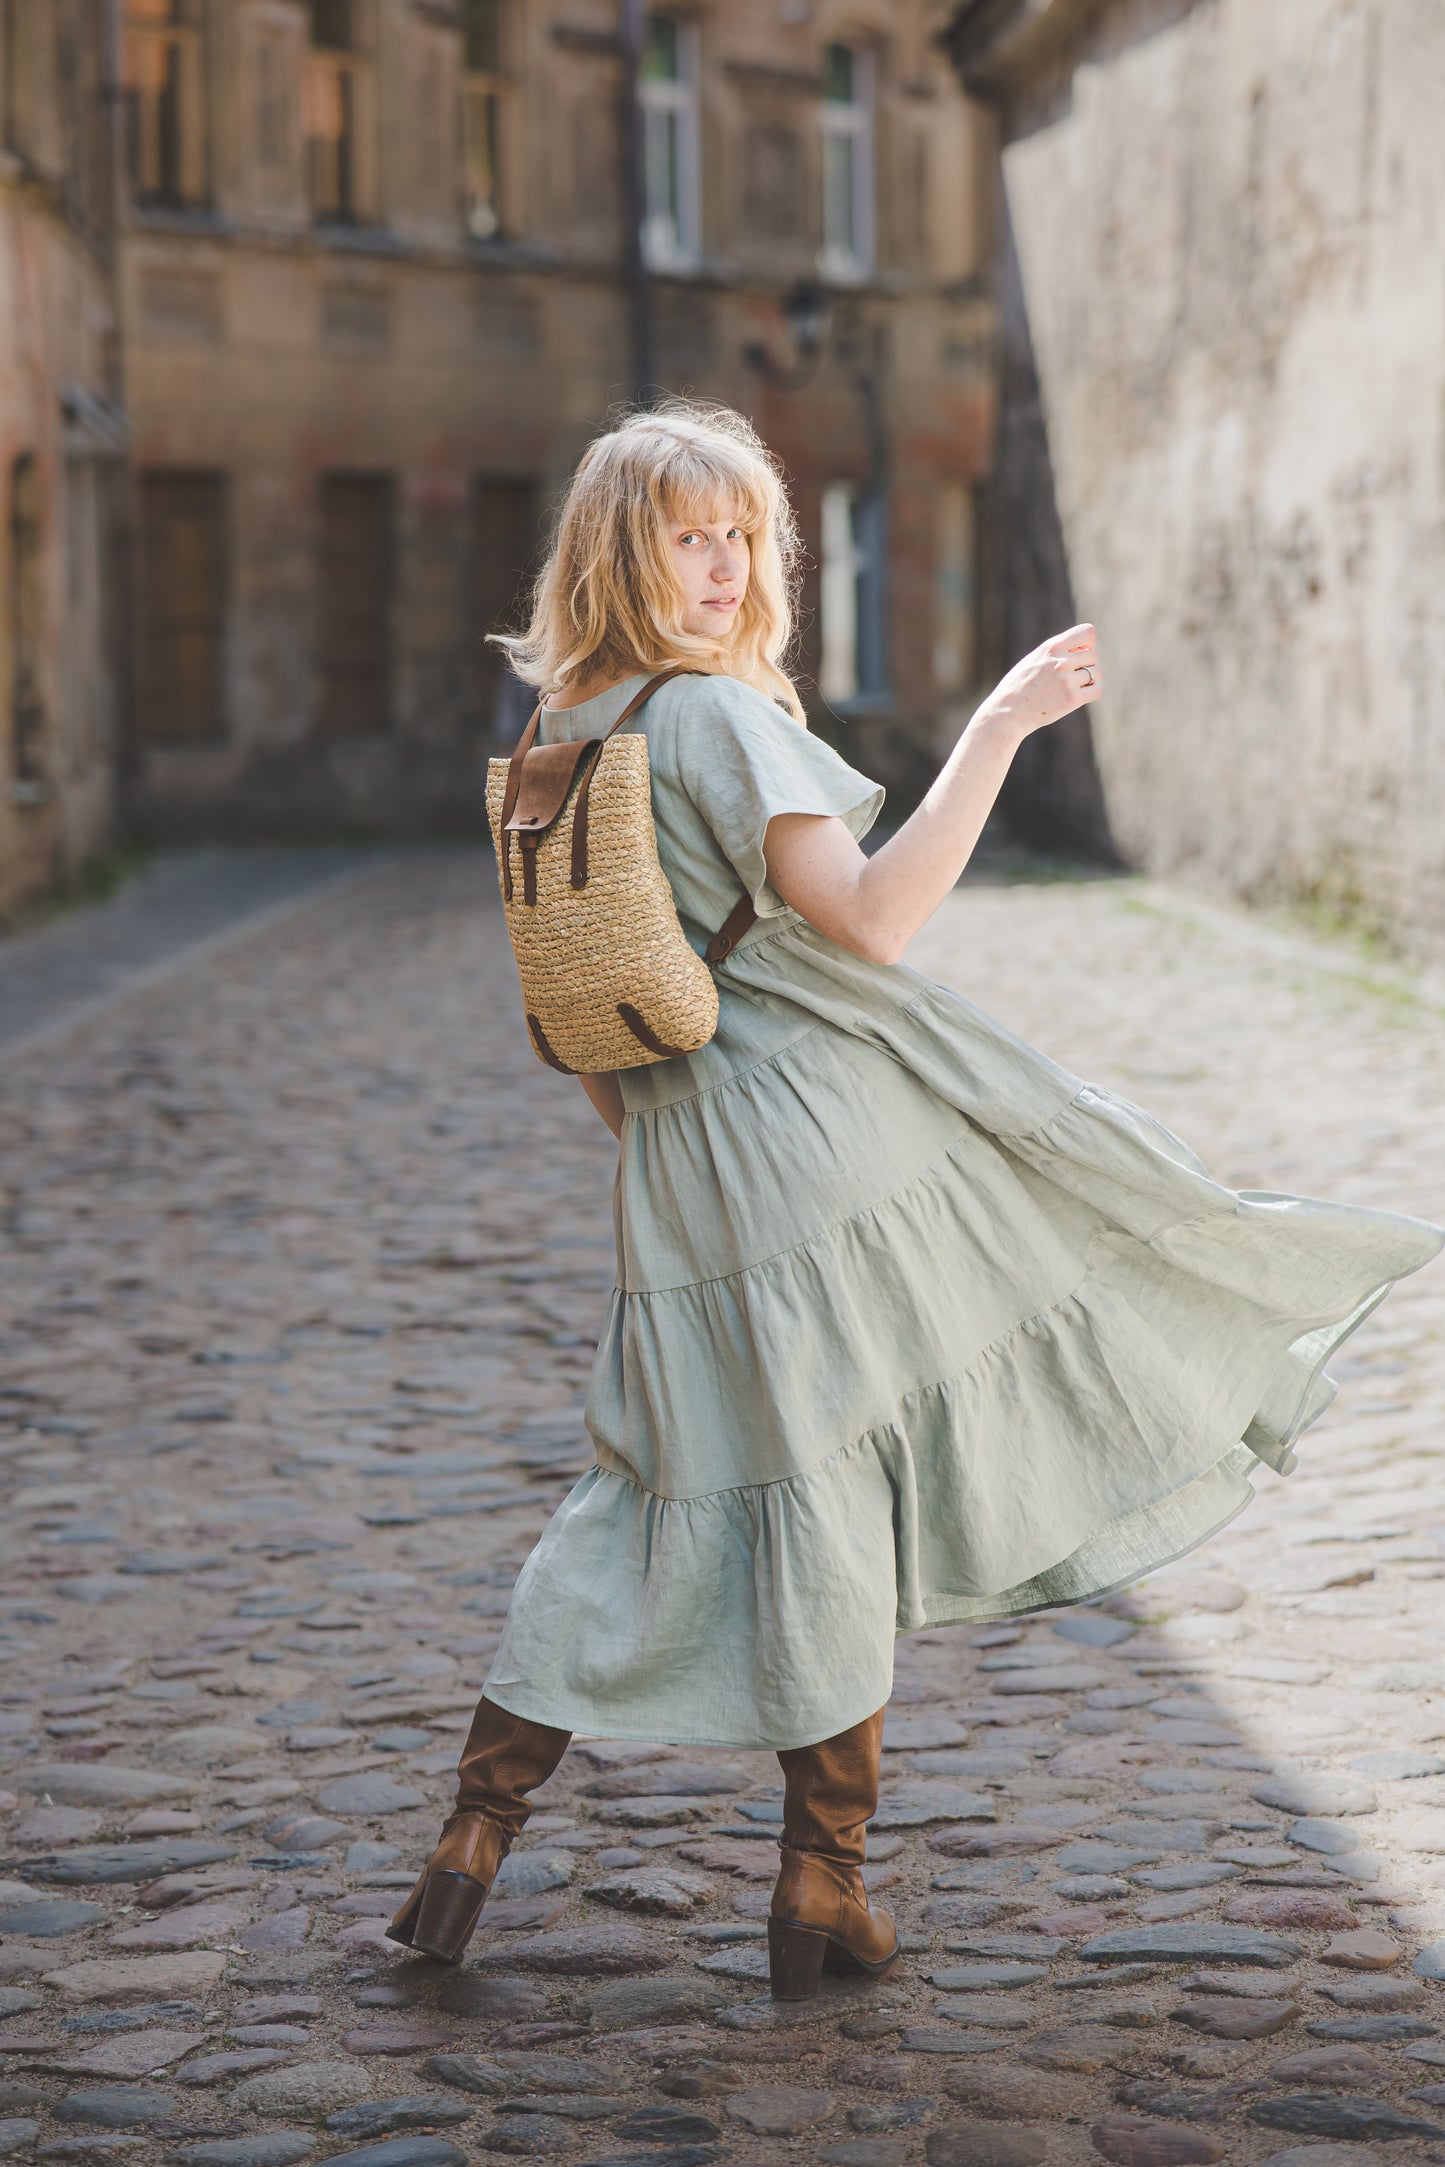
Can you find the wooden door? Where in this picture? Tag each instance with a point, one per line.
(182, 574)
(355, 583)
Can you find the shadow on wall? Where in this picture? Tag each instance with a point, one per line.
(1053, 798)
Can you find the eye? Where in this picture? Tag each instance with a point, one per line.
(684, 539)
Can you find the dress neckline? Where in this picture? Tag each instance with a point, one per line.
(577, 706)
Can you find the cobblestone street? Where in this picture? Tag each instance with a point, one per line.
(305, 1257)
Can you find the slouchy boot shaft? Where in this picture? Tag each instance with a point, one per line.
(820, 1911)
(504, 1759)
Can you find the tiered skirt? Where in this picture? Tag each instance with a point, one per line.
(911, 1326)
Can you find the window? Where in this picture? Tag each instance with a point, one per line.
(954, 613)
(182, 607)
(338, 113)
(331, 25)
(165, 102)
(847, 124)
(851, 594)
(483, 108)
(355, 593)
(507, 529)
(668, 92)
(275, 93)
(27, 614)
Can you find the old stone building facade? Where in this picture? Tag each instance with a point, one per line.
(62, 444)
(375, 300)
(1223, 350)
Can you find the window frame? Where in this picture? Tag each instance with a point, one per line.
(341, 76)
(672, 239)
(852, 586)
(851, 124)
(178, 44)
(486, 95)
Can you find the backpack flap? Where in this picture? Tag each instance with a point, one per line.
(547, 775)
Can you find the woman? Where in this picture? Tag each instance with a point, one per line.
(911, 1326)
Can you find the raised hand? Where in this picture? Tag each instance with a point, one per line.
(1063, 674)
(874, 905)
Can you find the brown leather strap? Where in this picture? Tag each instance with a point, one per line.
(579, 810)
(509, 795)
(663, 677)
(731, 931)
(738, 919)
(520, 751)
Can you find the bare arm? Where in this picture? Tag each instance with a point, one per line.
(605, 1093)
(874, 906)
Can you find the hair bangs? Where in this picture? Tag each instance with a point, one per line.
(704, 483)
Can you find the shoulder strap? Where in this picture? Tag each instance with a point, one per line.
(731, 931)
(663, 677)
(579, 810)
(528, 739)
(520, 751)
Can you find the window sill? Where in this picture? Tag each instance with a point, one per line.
(500, 248)
(836, 270)
(672, 263)
(179, 218)
(365, 237)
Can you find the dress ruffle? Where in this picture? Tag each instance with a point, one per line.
(911, 1327)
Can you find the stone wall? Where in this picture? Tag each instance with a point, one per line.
(61, 448)
(1230, 225)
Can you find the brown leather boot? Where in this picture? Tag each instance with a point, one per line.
(820, 1913)
(504, 1758)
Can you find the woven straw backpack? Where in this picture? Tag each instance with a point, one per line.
(609, 978)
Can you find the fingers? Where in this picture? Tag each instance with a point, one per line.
(1059, 677)
(1075, 657)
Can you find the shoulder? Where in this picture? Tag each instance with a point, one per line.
(716, 707)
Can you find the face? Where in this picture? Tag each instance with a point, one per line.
(711, 562)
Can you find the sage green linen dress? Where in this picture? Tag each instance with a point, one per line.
(910, 1325)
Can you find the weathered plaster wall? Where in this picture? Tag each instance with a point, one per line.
(1230, 221)
(59, 477)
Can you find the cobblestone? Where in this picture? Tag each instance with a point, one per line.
(305, 1253)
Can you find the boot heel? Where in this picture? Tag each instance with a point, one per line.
(795, 1960)
(447, 1914)
(403, 1926)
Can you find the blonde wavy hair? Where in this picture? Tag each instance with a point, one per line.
(606, 602)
